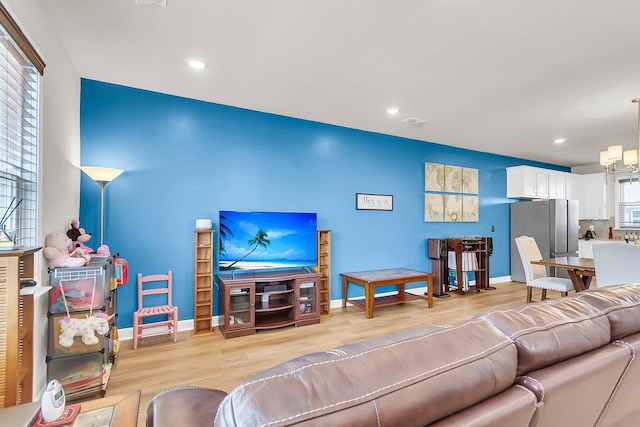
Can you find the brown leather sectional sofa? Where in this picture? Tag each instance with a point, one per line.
(570, 361)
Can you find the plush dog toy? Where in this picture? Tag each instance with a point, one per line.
(71, 327)
(56, 251)
(79, 237)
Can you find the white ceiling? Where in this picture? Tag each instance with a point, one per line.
(500, 76)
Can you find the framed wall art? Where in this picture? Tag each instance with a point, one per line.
(375, 202)
(451, 193)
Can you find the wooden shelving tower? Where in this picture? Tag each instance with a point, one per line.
(203, 283)
(324, 268)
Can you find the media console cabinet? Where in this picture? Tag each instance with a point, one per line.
(250, 302)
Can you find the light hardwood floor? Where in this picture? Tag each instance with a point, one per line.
(212, 361)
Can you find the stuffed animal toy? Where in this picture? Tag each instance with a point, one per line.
(103, 251)
(71, 327)
(56, 251)
(79, 237)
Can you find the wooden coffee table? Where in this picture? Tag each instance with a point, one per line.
(391, 276)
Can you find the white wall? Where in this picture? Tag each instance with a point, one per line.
(59, 150)
(586, 169)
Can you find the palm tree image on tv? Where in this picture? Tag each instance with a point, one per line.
(260, 240)
(223, 232)
(266, 240)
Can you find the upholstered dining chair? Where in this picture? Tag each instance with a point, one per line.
(616, 263)
(536, 275)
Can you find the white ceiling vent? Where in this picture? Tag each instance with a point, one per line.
(413, 121)
(158, 2)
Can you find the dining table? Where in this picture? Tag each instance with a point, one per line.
(581, 270)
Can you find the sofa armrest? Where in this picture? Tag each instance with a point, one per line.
(184, 407)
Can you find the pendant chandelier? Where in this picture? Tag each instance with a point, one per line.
(610, 157)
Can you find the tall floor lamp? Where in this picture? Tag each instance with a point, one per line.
(101, 176)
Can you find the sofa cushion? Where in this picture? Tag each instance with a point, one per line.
(550, 331)
(621, 304)
(386, 381)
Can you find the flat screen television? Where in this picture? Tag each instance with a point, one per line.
(266, 240)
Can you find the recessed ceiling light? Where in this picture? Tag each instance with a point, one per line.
(196, 64)
(392, 110)
(559, 140)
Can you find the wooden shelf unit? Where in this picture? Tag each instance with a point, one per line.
(480, 250)
(324, 268)
(203, 283)
(16, 328)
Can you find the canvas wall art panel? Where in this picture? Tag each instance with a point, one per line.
(470, 181)
(433, 177)
(433, 207)
(470, 208)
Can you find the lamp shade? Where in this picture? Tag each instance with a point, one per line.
(614, 152)
(100, 174)
(630, 157)
(604, 158)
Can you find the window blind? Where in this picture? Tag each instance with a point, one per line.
(19, 84)
(628, 203)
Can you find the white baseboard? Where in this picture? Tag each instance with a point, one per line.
(125, 334)
(338, 303)
(187, 325)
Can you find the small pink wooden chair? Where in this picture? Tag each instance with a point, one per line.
(160, 327)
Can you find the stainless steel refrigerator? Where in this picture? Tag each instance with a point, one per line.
(553, 223)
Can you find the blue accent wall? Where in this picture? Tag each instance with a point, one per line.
(186, 159)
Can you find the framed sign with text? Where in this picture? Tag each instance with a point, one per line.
(376, 202)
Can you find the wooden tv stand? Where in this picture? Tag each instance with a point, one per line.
(267, 300)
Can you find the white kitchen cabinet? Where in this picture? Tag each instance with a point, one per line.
(557, 185)
(573, 186)
(594, 197)
(526, 182)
